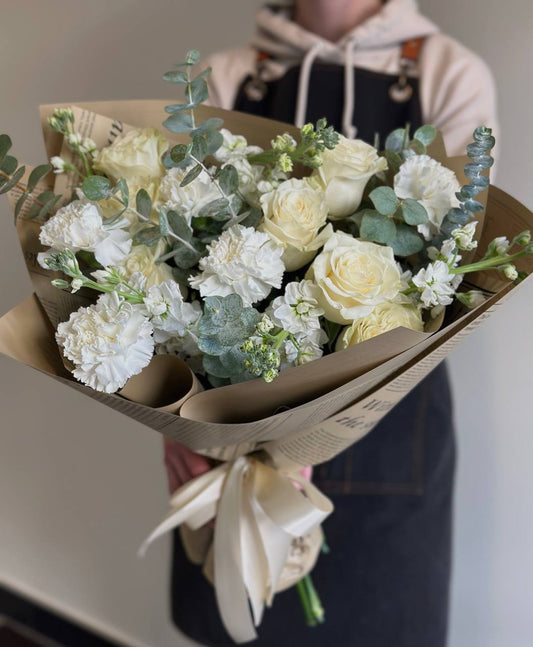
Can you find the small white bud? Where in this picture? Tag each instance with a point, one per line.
(76, 284)
(510, 272)
(58, 163)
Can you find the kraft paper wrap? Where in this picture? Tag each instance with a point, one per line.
(306, 416)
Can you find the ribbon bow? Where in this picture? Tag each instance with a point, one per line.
(259, 510)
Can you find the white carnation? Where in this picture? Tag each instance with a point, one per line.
(241, 261)
(424, 179)
(107, 342)
(80, 226)
(187, 200)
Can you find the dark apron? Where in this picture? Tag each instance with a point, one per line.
(386, 579)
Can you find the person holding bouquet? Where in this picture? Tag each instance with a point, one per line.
(368, 67)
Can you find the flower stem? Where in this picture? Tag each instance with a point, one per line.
(489, 263)
(313, 609)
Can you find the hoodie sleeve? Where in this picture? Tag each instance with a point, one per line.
(229, 69)
(457, 92)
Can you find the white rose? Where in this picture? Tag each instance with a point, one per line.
(143, 259)
(293, 214)
(353, 276)
(136, 157)
(383, 318)
(424, 179)
(345, 172)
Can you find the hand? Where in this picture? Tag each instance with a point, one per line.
(182, 464)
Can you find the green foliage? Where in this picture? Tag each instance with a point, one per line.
(6, 184)
(413, 212)
(96, 187)
(228, 179)
(38, 173)
(143, 203)
(401, 145)
(191, 175)
(377, 228)
(385, 200)
(5, 145)
(149, 236)
(407, 241)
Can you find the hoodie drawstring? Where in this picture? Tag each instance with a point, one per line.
(303, 84)
(348, 129)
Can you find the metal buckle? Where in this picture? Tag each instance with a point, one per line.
(255, 89)
(401, 91)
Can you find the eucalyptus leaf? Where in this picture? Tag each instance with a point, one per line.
(185, 257)
(394, 161)
(214, 140)
(425, 134)
(204, 73)
(124, 191)
(36, 175)
(413, 212)
(228, 179)
(253, 218)
(199, 147)
(13, 180)
(209, 124)
(33, 211)
(178, 153)
(418, 147)
(192, 57)
(5, 145)
(191, 175)
(406, 241)
(377, 228)
(143, 203)
(395, 140)
(176, 76)
(149, 236)
(19, 205)
(179, 122)
(164, 227)
(180, 107)
(197, 91)
(96, 187)
(48, 206)
(385, 200)
(9, 164)
(215, 209)
(179, 226)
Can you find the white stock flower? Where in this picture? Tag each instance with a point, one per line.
(107, 342)
(464, 236)
(293, 215)
(424, 179)
(187, 200)
(383, 318)
(241, 261)
(175, 321)
(58, 164)
(234, 146)
(344, 173)
(447, 251)
(79, 226)
(309, 348)
(500, 245)
(135, 156)
(436, 284)
(297, 311)
(353, 276)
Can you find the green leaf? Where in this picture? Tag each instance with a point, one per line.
(9, 164)
(205, 73)
(192, 57)
(20, 203)
(384, 200)
(179, 226)
(199, 147)
(208, 124)
(96, 187)
(425, 134)
(198, 91)
(214, 141)
(164, 227)
(377, 228)
(36, 175)
(178, 153)
(5, 145)
(413, 212)
(149, 237)
(418, 147)
(180, 107)
(143, 203)
(16, 177)
(124, 191)
(253, 218)
(185, 257)
(395, 140)
(191, 175)
(215, 208)
(179, 122)
(407, 241)
(33, 211)
(394, 161)
(213, 365)
(175, 77)
(228, 179)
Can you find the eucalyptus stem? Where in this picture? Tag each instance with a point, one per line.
(22, 188)
(189, 96)
(234, 216)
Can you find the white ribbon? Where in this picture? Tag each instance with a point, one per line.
(258, 512)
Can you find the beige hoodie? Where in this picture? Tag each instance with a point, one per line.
(456, 87)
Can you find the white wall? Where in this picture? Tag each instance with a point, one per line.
(80, 486)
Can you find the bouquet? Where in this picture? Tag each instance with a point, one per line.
(262, 294)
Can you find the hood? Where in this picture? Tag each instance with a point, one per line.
(287, 44)
(398, 21)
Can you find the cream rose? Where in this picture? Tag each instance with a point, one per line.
(353, 276)
(136, 157)
(344, 173)
(293, 214)
(383, 318)
(143, 259)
